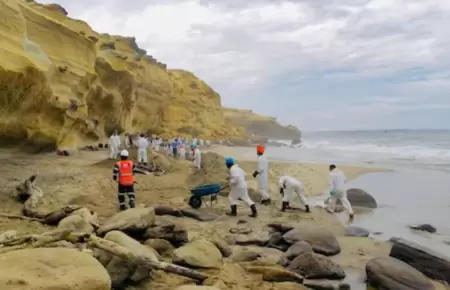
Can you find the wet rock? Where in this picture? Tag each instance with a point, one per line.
(326, 285)
(316, 266)
(360, 198)
(423, 227)
(198, 215)
(246, 256)
(240, 230)
(259, 238)
(133, 221)
(355, 231)
(281, 228)
(163, 247)
(322, 240)
(167, 230)
(430, 263)
(388, 273)
(275, 274)
(168, 210)
(276, 241)
(48, 268)
(199, 254)
(77, 224)
(295, 250)
(221, 244)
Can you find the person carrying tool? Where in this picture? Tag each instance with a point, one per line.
(238, 188)
(123, 173)
(262, 175)
(288, 185)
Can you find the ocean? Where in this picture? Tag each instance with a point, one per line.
(416, 191)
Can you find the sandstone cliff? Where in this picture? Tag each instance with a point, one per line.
(260, 125)
(63, 84)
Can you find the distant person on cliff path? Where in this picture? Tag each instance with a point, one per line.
(262, 175)
(338, 191)
(238, 188)
(114, 145)
(288, 185)
(142, 144)
(123, 173)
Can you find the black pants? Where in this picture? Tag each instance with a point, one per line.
(126, 190)
(175, 152)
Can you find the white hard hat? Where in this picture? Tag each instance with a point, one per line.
(124, 153)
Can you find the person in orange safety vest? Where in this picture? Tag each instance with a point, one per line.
(123, 173)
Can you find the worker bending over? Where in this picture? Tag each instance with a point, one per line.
(238, 188)
(262, 175)
(142, 144)
(288, 185)
(338, 191)
(123, 173)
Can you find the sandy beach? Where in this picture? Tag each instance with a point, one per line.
(85, 178)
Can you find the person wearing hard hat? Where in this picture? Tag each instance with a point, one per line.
(262, 175)
(123, 173)
(238, 188)
(288, 185)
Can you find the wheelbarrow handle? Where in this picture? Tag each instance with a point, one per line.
(225, 187)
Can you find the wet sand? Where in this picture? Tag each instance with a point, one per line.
(81, 179)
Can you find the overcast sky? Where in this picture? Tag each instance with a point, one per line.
(317, 64)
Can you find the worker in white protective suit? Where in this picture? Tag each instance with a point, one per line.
(288, 185)
(238, 188)
(197, 162)
(127, 141)
(142, 144)
(182, 152)
(262, 175)
(338, 191)
(114, 145)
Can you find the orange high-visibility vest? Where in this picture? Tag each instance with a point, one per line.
(125, 172)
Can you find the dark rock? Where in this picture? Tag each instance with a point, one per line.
(322, 240)
(167, 210)
(295, 250)
(62, 69)
(388, 273)
(82, 33)
(316, 266)
(282, 228)
(360, 198)
(326, 285)
(166, 230)
(355, 231)
(424, 227)
(430, 263)
(197, 215)
(93, 38)
(108, 45)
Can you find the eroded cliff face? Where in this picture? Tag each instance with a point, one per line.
(260, 125)
(64, 85)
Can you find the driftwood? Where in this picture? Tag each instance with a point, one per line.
(124, 253)
(52, 218)
(34, 241)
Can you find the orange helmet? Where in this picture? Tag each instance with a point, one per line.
(260, 149)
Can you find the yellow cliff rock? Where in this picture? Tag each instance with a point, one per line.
(64, 85)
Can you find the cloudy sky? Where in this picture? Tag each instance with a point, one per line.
(317, 64)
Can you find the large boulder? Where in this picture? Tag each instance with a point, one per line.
(170, 231)
(77, 224)
(133, 221)
(355, 231)
(163, 247)
(316, 266)
(322, 240)
(388, 273)
(360, 198)
(295, 250)
(198, 254)
(52, 269)
(432, 264)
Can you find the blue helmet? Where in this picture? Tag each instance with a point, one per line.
(229, 161)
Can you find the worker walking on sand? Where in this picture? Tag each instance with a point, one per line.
(114, 145)
(238, 188)
(142, 144)
(123, 173)
(262, 175)
(197, 157)
(288, 185)
(182, 151)
(337, 190)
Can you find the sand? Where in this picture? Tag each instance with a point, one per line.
(85, 178)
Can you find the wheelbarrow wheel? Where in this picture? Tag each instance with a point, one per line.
(195, 202)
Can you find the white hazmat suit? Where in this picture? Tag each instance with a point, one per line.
(263, 177)
(289, 186)
(114, 145)
(142, 144)
(197, 162)
(182, 153)
(338, 191)
(238, 186)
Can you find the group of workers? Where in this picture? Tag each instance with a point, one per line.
(287, 187)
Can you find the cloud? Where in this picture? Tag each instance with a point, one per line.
(313, 63)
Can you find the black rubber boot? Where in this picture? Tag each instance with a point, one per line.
(351, 217)
(307, 208)
(284, 206)
(132, 203)
(254, 211)
(233, 211)
(122, 207)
